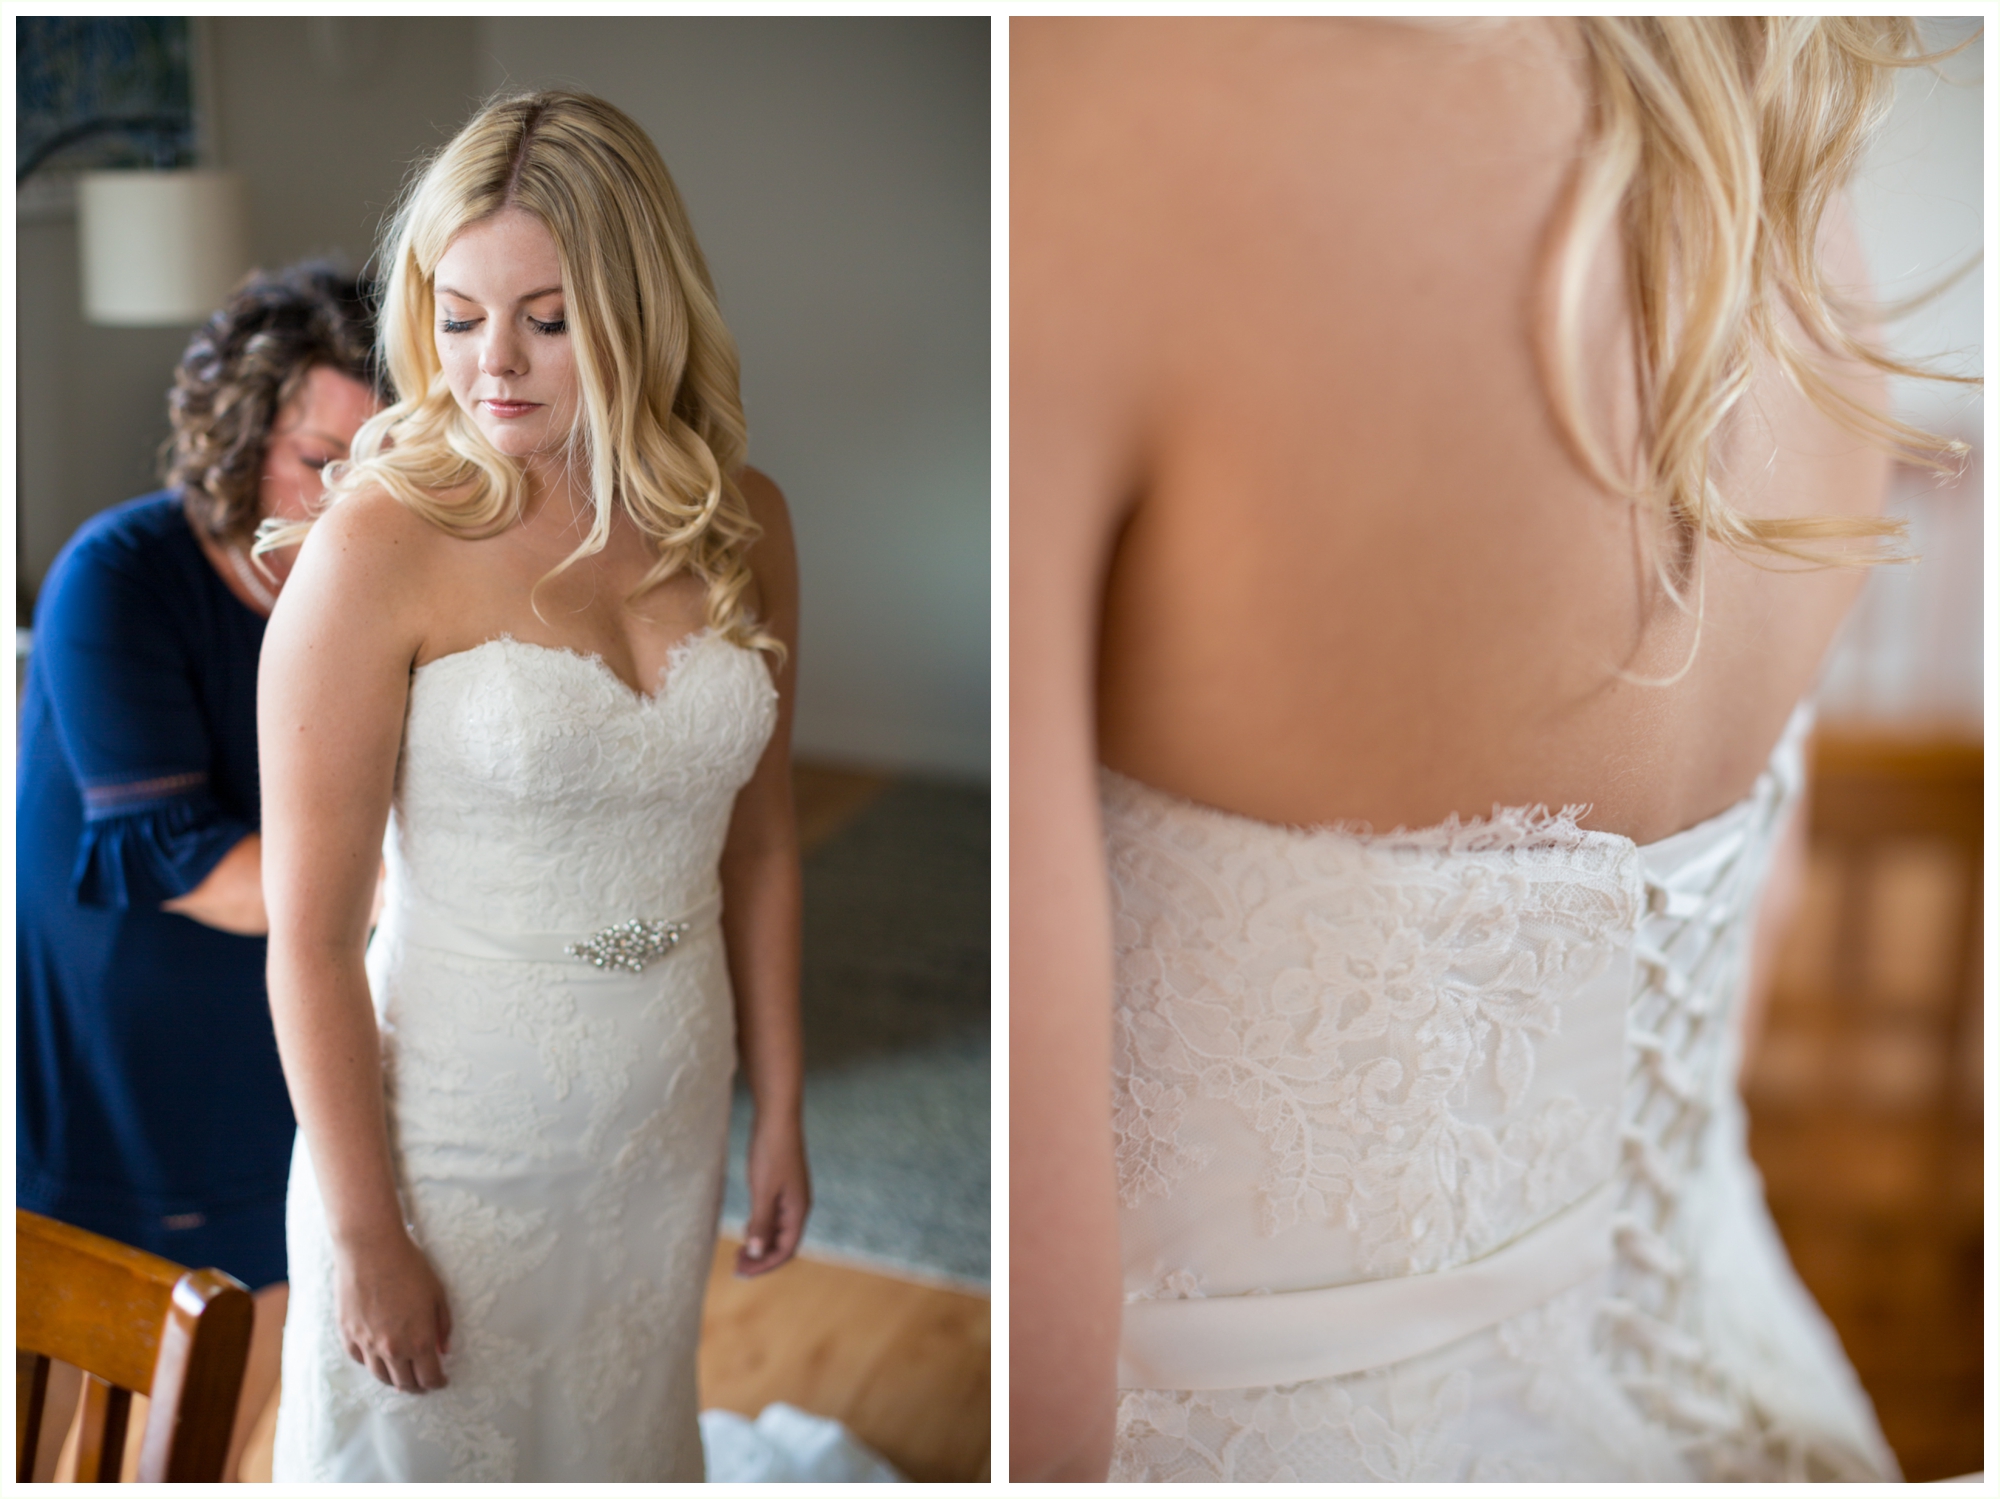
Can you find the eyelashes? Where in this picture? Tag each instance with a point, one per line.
(560, 325)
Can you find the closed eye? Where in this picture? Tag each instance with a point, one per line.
(450, 326)
(560, 325)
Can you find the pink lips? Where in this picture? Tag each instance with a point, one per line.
(511, 408)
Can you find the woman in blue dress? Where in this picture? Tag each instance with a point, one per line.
(151, 1108)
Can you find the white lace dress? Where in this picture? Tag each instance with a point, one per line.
(559, 1129)
(1432, 1163)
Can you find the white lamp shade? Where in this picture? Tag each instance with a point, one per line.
(160, 248)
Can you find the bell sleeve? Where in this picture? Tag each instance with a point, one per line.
(124, 696)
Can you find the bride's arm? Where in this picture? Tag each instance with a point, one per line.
(1080, 356)
(760, 921)
(332, 684)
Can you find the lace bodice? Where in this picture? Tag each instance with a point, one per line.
(537, 792)
(1368, 1077)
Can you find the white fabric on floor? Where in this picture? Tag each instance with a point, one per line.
(787, 1445)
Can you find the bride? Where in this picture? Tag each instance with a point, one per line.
(1419, 426)
(543, 636)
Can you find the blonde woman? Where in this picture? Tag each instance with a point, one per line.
(543, 636)
(1419, 426)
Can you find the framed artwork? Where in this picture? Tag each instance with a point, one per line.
(102, 92)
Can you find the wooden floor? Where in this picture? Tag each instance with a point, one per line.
(905, 1367)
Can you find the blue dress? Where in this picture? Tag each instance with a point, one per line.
(150, 1104)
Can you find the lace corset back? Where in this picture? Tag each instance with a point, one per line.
(1342, 1060)
(537, 791)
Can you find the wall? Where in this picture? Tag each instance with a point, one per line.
(325, 116)
(1910, 653)
(837, 172)
(1918, 206)
(90, 403)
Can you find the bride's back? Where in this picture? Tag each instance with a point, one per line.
(1286, 449)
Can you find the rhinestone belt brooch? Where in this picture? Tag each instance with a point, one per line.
(629, 944)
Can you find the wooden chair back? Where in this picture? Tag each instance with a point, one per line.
(133, 1323)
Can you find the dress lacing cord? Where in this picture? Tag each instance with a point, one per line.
(1674, 1035)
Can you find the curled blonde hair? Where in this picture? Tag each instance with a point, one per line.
(660, 426)
(1717, 146)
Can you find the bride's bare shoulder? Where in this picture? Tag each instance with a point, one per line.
(1156, 163)
(371, 529)
(773, 562)
(1221, 82)
(761, 493)
(371, 557)
(1228, 209)
(1164, 170)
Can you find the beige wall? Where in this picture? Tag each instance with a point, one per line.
(1917, 201)
(837, 174)
(1911, 650)
(325, 118)
(90, 402)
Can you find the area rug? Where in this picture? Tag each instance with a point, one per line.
(898, 1040)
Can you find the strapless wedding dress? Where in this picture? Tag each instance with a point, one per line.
(1431, 1161)
(558, 1127)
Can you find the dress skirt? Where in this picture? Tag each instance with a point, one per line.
(560, 1134)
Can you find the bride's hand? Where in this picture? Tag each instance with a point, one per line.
(392, 1313)
(780, 1197)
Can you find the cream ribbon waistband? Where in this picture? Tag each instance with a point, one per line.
(420, 926)
(1245, 1342)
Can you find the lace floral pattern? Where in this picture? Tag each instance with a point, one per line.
(576, 756)
(1372, 1007)
(1340, 1057)
(559, 1132)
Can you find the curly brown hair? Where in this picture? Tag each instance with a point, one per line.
(240, 369)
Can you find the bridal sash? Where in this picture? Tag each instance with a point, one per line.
(1244, 1342)
(421, 926)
